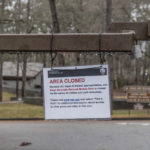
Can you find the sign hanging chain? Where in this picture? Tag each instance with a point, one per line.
(101, 55)
(51, 50)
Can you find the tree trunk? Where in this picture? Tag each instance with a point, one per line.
(28, 15)
(110, 59)
(1, 55)
(78, 28)
(136, 72)
(18, 32)
(18, 17)
(56, 28)
(77, 55)
(108, 14)
(17, 81)
(25, 55)
(144, 71)
(24, 74)
(44, 65)
(2, 15)
(1, 76)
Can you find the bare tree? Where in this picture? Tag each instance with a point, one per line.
(1, 56)
(110, 59)
(18, 16)
(24, 74)
(17, 81)
(108, 14)
(24, 71)
(56, 27)
(18, 31)
(78, 28)
(44, 65)
(2, 15)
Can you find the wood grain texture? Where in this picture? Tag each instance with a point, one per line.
(67, 42)
(140, 29)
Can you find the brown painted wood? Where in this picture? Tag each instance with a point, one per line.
(117, 42)
(68, 42)
(140, 29)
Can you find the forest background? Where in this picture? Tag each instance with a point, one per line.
(80, 16)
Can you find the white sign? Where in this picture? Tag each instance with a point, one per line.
(76, 92)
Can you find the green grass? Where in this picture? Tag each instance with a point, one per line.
(20, 110)
(27, 111)
(7, 96)
(131, 113)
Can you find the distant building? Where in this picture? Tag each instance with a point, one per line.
(34, 72)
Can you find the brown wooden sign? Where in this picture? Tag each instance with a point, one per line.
(138, 93)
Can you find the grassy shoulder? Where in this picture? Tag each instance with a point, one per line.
(27, 111)
(20, 110)
(131, 113)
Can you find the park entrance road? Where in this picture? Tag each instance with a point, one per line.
(75, 135)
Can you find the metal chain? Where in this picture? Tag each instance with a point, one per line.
(101, 54)
(51, 50)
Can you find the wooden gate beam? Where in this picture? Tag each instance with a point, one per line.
(141, 29)
(107, 42)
